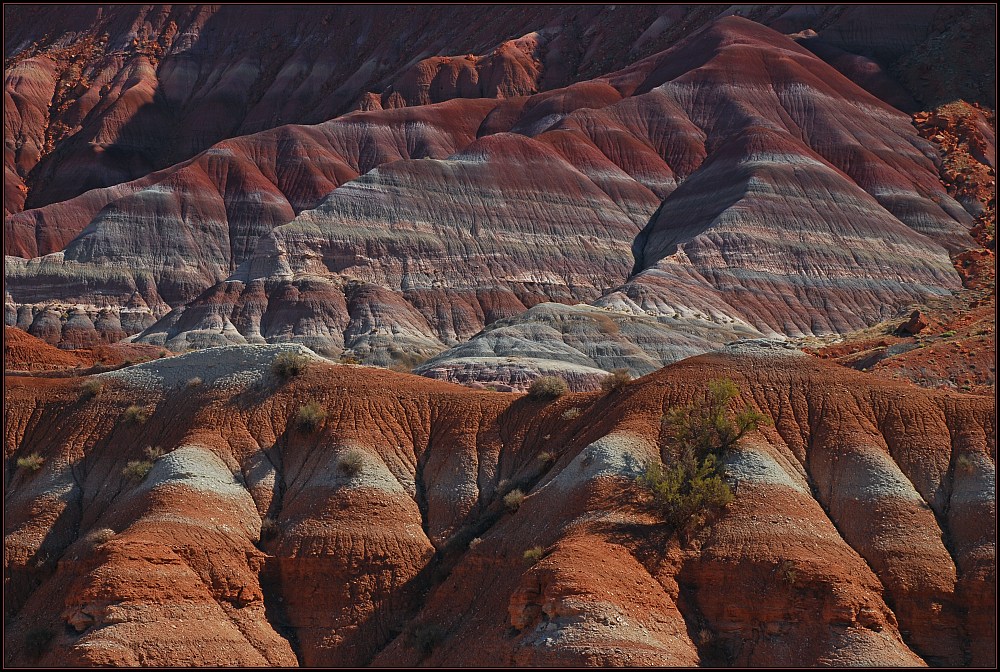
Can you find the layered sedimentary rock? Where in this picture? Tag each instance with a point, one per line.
(862, 532)
(541, 199)
(579, 343)
(97, 95)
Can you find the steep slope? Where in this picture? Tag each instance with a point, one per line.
(863, 529)
(537, 199)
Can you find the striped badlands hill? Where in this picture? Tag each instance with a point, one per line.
(735, 182)
(862, 531)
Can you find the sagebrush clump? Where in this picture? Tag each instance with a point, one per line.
(513, 499)
(351, 462)
(692, 488)
(91, 389)
(32, 462)
(616, 380)
(136, 415)
(547, 387)
(289, 364)
(534, 554)
(310, 417)
(138, 470)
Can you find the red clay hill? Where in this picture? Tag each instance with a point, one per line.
(376, 528)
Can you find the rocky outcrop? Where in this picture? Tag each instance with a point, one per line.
(861, 534)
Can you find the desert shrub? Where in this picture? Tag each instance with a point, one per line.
(616, 380)
(475, 542)
(534, 554)
(788, 572)
(689, 491)
(91, 388)
(193, 382)
(349, 359)
(706, 427)
(289, 364)
(351, 462)
(32, 462)
(513, 499)
(36, 642)
(136, 415)
(692, 489)
(153, 453)
(269, 529)
(310, 416)
(963, 464)
(424, 637)
(404, 362)
(137, 470)
(547, 387)
(547, 457)
(948, 334)
(100, 536)
(571, 413)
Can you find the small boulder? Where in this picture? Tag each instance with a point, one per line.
(917, 323)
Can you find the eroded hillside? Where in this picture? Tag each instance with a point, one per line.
(862, 531)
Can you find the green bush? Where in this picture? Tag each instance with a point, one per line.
(36, 642)
(689, 491)
(513, 499)
(351, 462)
(136, 415)
(534, 554)
(289, 364)
(547, 387)
(616, 380)
(547, 457)
(137, 470)
(32, 462)
(310, 417)
(91, 388)
(692, 489)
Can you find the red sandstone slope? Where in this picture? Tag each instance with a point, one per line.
(862, 532)
(442, 248)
